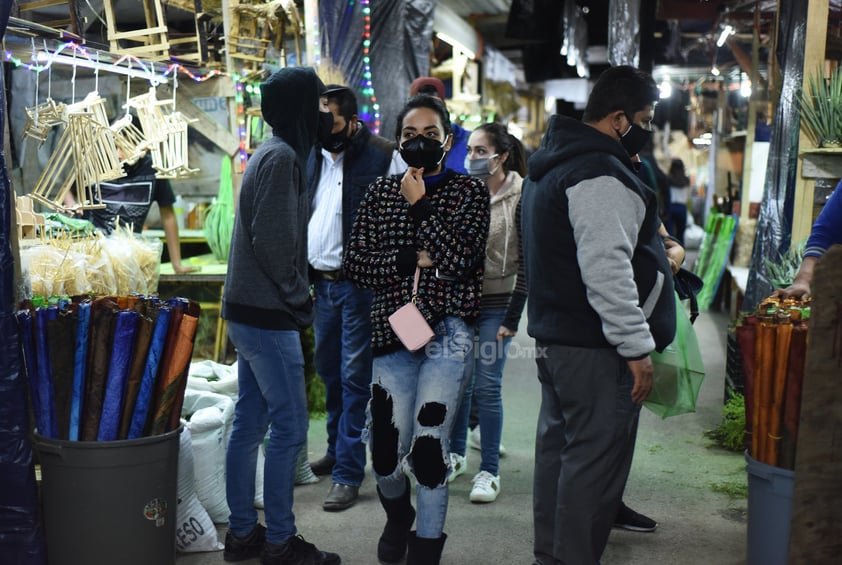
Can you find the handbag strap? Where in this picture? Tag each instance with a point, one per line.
(415, 284)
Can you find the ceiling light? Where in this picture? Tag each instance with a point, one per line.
(714, 71)
(729, 30)
(665, 88)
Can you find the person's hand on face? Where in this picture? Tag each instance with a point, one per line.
(412, 185)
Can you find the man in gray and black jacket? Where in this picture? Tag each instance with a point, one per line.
(600, 301)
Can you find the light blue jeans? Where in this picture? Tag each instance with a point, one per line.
(270, 374)
(414, 400)
(485, 384)
(342, 329)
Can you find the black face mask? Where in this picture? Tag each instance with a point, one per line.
(325, 125)
(337, 142)
(635, 138)
(422, 152)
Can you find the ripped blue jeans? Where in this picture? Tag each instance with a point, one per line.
(414, 401)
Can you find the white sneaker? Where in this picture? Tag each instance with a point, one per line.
(459, 464)
(486, 487)
(475, 441)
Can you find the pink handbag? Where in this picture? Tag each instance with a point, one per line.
(409, 324)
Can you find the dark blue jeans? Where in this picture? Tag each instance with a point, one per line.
(270, 375)
(343, 360)
(485, 387)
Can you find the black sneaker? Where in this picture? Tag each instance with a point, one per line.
(628, 519)
(296, 551)
(247, 547)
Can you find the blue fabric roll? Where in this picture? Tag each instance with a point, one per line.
(150, 373)
(118, 372)
(80, 366)
(46, 416)
(30, 367)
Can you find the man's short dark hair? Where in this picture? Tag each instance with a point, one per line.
(344, 98)
(623, 88)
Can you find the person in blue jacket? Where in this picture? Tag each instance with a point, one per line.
(826, 231)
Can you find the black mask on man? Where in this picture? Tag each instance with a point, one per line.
(324, 126)
(337, 142)
(422, 152)
(635, 138)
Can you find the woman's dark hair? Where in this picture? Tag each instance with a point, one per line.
(677, 175)
(620, 88)
(424, 101)
(503, 141)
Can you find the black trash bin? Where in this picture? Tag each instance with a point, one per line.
(108, 502)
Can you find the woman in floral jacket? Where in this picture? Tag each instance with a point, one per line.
(436, 221)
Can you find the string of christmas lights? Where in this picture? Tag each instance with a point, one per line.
(369, 114)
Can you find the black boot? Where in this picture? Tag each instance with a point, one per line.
(424, 551)
(399, 517)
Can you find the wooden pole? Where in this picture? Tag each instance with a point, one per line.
(814, 56)
(817, 497)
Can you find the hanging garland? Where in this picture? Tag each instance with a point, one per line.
(369, 113)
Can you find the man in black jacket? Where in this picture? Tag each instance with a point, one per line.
(341, 167)
(600, 301)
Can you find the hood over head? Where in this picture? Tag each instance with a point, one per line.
(567, 138)
(290, 104)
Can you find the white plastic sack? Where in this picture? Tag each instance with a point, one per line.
(194, 529)
(210, 416)
(210, 376)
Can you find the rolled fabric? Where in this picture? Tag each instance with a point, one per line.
(118, 373)
(80, 365)
(783, 337)
(177, 308)
(28, 356)
(61, 340)
(143, 339)
(746, 340)
(46, 419)
(173, 372)
(103, 320)
(766, 333)
(194, 310)
(150, 373)
(792, 401)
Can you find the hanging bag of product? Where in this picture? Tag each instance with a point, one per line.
(679, 371)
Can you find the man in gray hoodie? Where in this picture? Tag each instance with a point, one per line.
(267, 302)
(600, 301)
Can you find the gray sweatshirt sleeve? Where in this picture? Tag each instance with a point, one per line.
(606, 217)
(277, 227)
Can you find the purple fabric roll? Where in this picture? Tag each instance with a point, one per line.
(118, 373)
(30, 367)
(45, 420)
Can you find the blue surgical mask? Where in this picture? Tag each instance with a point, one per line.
(480, 167)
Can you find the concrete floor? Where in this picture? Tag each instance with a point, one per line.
(674, 479)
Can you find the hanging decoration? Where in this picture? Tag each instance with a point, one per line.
(166, 131)
(371, 110)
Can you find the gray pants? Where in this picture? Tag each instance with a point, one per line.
(583, 451)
